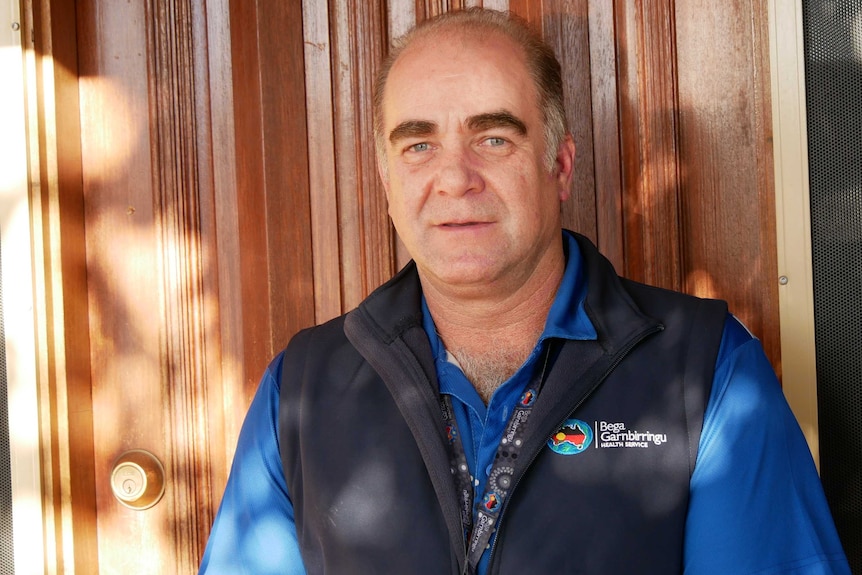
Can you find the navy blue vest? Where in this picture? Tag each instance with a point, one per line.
(602, 482)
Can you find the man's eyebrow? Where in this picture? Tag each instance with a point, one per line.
(491, 120)
(412, 129)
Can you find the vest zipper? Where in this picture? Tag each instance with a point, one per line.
(617, 359)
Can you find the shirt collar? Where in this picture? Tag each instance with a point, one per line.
(567, 318)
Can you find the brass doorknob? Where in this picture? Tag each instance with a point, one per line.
(138, 479)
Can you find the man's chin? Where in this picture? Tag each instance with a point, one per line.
(463, 275)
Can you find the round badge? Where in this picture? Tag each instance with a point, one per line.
(574, 437)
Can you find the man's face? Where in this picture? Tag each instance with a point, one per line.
(465, 178)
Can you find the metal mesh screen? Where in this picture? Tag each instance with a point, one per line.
(7, 556)
(833, 77)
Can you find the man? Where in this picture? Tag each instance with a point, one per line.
(507, 404)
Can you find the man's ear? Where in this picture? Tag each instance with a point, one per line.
(564, 167)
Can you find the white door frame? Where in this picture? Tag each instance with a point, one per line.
(18, 313)
(793, 213)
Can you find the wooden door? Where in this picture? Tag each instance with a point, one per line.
(127, 162)
(204, 186)
(119, 220)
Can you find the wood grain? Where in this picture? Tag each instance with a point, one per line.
(321, 161)
(728, 205)
(648, 136)
(606, 132)
(60, 284)
(366, 242)
(287, 206)
(567, 30)
(178, 188)
(244, 249)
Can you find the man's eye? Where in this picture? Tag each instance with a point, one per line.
(494, 141)
(420, 147)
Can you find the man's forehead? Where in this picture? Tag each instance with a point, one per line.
(461, 41)
(454, 64)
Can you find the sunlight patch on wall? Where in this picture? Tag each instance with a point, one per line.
(114, 139)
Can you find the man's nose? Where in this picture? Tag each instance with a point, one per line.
(458, 173)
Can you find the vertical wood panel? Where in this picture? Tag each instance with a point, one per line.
(606, 130)
(494, 4)
(273, 212)
(726, 147)
(430, 8)
(359, 43)
(362, 234)
(225, 390)
(325, 229)
(567, 30)
(648, 138)
(377, 231)
(285, 153)
(57, 211)
(242, 220)
(178, 186)
(400, 17)
(348, 35)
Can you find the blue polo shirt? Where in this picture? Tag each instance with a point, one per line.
(756, 505)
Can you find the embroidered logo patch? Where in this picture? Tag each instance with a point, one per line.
(572, 438)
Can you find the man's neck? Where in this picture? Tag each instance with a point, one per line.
(492, 336)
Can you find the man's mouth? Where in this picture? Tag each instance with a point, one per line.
(463, 224)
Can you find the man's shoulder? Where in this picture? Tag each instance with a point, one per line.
(318, 358)
(380, 317)
(690, 318)
(328, 333)
(652, 298)
(665, 294)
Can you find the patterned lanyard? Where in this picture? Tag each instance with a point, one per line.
(499, 481)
